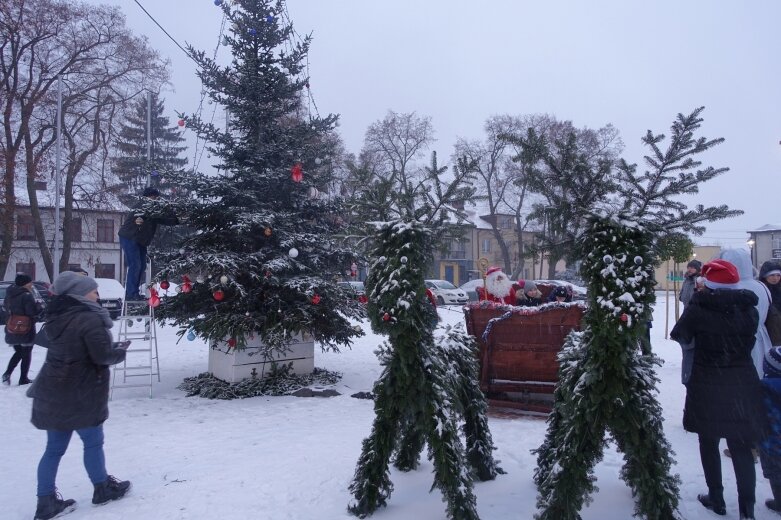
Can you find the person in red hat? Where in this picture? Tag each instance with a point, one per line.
(498, 287)
(723, 392)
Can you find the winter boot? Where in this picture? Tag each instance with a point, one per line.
(714, 502)
(25, 381)
(774, 504)
(111, 489)
(6, 379)
(746, 510)
(51, 506)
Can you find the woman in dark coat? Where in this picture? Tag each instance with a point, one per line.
(723, 393)
(71, 391)
(770, 275)
(19, 301)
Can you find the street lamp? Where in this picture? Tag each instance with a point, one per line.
(750, 243)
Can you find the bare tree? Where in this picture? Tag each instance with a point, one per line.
(102, 65)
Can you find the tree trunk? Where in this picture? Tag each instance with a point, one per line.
(32, 169)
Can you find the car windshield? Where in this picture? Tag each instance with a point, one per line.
(444, 284)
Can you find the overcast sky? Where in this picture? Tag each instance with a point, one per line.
(633, 64)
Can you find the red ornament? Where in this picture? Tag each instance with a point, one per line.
(316, 299)
(232, 342)
(218, 295)
(154, 299)
(386, 317)
(363, 299)
(181, 122)
(624, 318)
(187, 285)
(164, 285)
(297, 172)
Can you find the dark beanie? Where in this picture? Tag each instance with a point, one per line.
(74, 284)
(22, 279)
(771, 266)
(695, 264)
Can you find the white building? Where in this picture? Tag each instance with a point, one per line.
(94, 246)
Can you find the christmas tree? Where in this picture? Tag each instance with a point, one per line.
(261, 261)
(131, 164)
(427, 385)
(607, 381)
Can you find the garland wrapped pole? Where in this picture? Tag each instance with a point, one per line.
(427, 385)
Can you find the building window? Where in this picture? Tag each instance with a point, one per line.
(27, 268)
(104, 271)
(75, 229)
(25, 230)
(485, 246)
(105, 230)
(505, 222)
(775, 241)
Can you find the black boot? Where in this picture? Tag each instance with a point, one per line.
(25, 381)
(6, 379)
(50, 506)
(714, 502)
(774, 504)
(111, 489)
(746, 510)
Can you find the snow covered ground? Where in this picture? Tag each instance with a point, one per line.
(293, 458)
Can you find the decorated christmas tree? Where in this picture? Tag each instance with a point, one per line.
(428, 385)
(607, 380)
(261, 261)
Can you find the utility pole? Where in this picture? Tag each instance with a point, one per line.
(57, 182)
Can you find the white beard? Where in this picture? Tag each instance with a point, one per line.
(496, 287)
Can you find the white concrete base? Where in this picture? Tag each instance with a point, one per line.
(233, 365)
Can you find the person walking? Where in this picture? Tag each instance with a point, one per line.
(770, 275)
(770, 448)
(723, 393)
(71, 391)
(135, 235)
(688, 286)
(20, 305)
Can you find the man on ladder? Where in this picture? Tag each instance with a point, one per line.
(135, 235)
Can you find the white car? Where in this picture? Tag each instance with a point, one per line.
(110, 296)
(470, 288)
(446, 293)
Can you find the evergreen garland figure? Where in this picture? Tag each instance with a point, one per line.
(607, 385)
(262, 261)
(607, 381)
(427, 384)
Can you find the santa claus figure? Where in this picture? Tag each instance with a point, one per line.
(498, 287)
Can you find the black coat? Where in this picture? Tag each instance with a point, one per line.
(723, 394)
(71, 390)
(19, 300)
(144, 233)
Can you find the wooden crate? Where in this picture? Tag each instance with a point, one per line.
(518, 365)
(232, 365)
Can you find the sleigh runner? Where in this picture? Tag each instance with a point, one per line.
(518, 350)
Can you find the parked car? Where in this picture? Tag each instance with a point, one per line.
(44, 289)
(357, 288)
(40, 302)
(110, 295)
(470, 288)
(446, 293)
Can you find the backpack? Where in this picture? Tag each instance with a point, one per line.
(18, 324)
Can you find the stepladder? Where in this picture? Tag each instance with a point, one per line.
(142, 363)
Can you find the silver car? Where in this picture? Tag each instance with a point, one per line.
(446, 293)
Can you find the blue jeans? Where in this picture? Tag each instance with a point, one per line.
(57, 443)
(135, 258)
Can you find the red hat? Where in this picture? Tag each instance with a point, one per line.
(492, 270)
(720, 274)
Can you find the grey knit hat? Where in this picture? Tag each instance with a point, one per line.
(73, 283)
(529, 286)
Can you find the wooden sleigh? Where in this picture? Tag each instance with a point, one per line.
(518, 351)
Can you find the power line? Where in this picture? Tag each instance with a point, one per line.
(163, 29)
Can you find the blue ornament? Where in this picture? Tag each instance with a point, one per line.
(155, 173)
(218, 2)
(191, 334)
(252, 31)
(270, 19)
